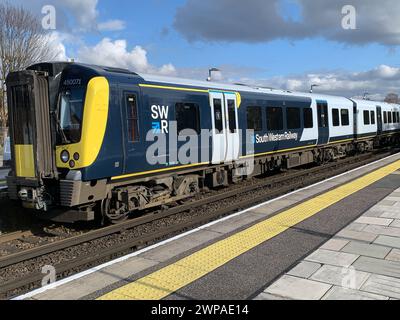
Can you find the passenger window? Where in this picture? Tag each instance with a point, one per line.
(335, 117)
(132, 118)
(254, 118)
(232, 115)
(372, 117)
(293, 118)
(385, 117)
(308, 118)
(390, 117)
(187, 117)
(345, 117)
(366, 117)
(274, 119)
(218, 115)
(323, 118)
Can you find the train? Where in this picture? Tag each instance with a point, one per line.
(92, 142)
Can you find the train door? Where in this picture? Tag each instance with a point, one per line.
(323, 122)
(232, 132)
(133, 149)
(379, 119)
(218, 127)
(225, 135)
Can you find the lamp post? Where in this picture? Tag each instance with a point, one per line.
(312, 87)
(210, 71)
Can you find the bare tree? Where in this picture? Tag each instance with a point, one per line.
(392, 98)
(23, 42)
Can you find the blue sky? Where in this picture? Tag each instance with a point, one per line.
(278, 57)
(281, 43)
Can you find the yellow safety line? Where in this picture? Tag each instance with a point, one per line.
(171, 278)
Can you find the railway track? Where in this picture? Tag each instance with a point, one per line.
(11, 236)
(211, 207)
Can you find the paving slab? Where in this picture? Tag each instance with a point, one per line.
(378, 266)
(334, 258)
(339, 293)
(389, 241)
(298, 288)
(179, 246)
(355, 226)
(304, 269)
(382, 230)
(274, 206)
(387, 203)
(393, 198)
(375, 221)
(372, 213)
(357, 235)
(383, 285)
(394, 255)
(392, 213)
(334, 244)
(395, 223)
(345, 277)
(267, 296)
(365, 249)
(235, 223)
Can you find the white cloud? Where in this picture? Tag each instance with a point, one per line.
(112, 25)
(56, 41)
(116, 54)
(84, 11)
(378, 82)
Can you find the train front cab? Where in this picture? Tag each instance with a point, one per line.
(53, 140)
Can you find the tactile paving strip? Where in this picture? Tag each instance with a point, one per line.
(171, 278)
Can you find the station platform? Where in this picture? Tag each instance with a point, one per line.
(338, 239)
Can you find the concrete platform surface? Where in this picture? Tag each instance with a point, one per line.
(361, 262)
(242, 256)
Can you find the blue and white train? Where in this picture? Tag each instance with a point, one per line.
(81, 136)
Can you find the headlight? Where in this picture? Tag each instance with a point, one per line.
(72, 164)
(64, 156)
(76, 156)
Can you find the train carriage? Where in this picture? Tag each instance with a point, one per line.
(89, 140)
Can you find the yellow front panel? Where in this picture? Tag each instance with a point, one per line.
(24, 161)
(94, 125)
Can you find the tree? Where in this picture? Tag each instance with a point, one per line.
(23, 42)
(392, 98)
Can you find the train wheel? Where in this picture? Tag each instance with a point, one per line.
(114, 211)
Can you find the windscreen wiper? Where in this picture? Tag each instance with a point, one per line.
(60, 129)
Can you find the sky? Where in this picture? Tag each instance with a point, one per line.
(287, 44)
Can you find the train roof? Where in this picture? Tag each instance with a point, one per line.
(159, 79)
